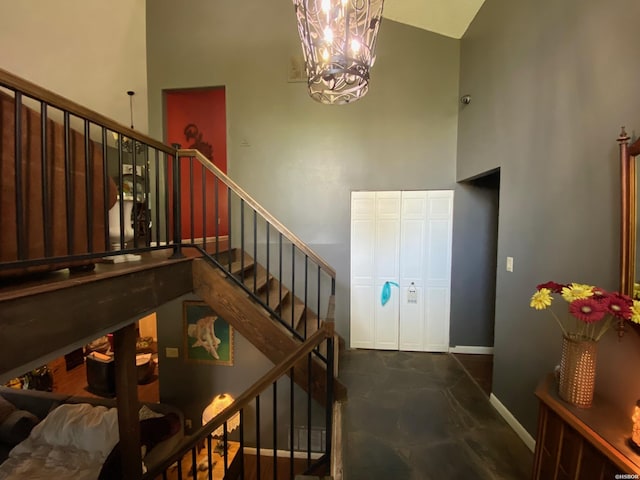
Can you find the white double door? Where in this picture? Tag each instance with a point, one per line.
(402, 237)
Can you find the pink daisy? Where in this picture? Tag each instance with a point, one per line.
(553, 286)
(600, 294)
(620, 306)
(588, 310)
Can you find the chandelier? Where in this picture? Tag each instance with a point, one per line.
(338, 42)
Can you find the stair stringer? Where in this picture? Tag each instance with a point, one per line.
(234, 305)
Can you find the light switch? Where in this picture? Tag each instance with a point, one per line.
(509, 264)
(171, 352)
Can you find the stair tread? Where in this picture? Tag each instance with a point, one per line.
(274, 293)
(291, 312)
(238, 266)
(257, 277)
(223, 255)
(311, 322)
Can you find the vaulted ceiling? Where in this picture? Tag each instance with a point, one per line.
(446, 17)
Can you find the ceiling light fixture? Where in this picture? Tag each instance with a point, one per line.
(127, 143)
(338, 42)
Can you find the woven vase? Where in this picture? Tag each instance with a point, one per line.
(577, 370)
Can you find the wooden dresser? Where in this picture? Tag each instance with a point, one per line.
(581, 444)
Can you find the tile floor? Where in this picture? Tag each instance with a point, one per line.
(479, 367)
(419, 416)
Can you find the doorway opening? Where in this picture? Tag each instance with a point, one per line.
(195, 118)
(475, 261)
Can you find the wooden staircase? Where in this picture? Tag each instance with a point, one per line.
(256, 323)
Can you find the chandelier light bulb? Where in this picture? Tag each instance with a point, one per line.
(328, 35)
(355, 46)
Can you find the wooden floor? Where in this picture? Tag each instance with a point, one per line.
(202, 470)
(74, 382)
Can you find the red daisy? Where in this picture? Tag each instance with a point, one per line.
(588, 310)
(601, 295)
(620, 306)
(553, 286)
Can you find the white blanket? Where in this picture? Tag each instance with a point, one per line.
(72, 442)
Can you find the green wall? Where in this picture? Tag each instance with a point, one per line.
(551, 84)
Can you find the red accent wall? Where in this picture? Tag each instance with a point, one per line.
(196, 118)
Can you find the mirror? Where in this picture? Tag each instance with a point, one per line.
(629, 270)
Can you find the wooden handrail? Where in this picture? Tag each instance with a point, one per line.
(326, 331)
(36, 92)
(303, 247)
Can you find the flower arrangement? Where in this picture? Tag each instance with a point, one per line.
(592, 308)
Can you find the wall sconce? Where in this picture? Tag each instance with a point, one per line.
(634, 441)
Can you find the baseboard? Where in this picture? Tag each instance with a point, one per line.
(528, 440)
(281, 453)
(471, 349)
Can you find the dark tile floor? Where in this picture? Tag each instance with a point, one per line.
(419, 416)
(479, 367)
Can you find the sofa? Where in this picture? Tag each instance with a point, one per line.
(31, 407)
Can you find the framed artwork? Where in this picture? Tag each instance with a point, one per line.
(207, 337)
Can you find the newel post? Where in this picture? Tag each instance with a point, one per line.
(330, 332)
(177, 202)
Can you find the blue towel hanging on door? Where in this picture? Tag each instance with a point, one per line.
(386, 292)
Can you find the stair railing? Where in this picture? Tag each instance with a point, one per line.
(192, 459)
(68, 174)
(236, 233)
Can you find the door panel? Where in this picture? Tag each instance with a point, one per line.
(387, 318)
(437, 320)
(412, 319)
(363, 236)
(413, 257)
(387, 266)
(362, 314)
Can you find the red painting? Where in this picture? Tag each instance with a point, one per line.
(196, 118)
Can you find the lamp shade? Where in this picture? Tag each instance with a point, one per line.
(217, 405)
(338, 42)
